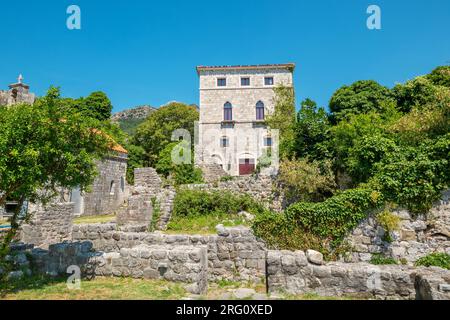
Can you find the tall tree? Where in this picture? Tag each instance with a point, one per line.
(311, 130)
(155, 133)
(45, 147)
(361, 97)
(97, 105)
(283, 119)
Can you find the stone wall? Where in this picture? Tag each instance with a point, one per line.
(260, 187)
(296, 273)
(48, 224)
(109, 189)
(146, 192)
(417, 235)
(184, 264)
(233, 254)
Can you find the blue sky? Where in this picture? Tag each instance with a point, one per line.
(145, 52)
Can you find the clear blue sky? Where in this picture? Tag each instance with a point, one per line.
(145, 52)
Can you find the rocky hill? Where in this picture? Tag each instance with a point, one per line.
(140, 112)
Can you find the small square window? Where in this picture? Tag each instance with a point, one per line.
(245, 81)
(267, 142)
(224, 142)
(221, 82)
(268, 81)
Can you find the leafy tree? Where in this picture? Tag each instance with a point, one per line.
(182, 173)
(311, 130)
(303, 180)
(440, 76)
(361, 97)
(97, 105)
(45, 147)
(155, 133)
(135, 156)
(415, 93)
(283, 119)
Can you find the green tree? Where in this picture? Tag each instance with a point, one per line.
(419, 92)
(155, 133)
(361, 97)
(311, 130)
(440, 76)
(45, 147)
(97, 105)
(283, 119)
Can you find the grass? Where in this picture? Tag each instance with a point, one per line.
(111, 288)
(101, 288)
(95, 219)
(202, 224)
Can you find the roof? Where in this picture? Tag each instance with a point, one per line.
(290, 66)
(113, 145)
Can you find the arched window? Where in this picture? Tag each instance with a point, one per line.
(259, 110)
(227, 112)
(112, 188)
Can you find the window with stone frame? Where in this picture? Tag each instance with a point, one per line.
(259, 110)
(268, 81)
(221, 82)
(245, 81)
(224, 142)
(227, 112)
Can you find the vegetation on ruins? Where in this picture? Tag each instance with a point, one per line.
(376, 146)
(436, 259)
(47, 147)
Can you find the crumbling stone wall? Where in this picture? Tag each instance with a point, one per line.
(296, 273)
(233, 254)
(417, 235)
(184, 264)
(261, 187)
(48, 224)
(147, 193)
(109, 190)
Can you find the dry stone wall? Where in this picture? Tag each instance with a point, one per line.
(261, 187)
(185, 264)
(295, 273)
(48, 224)
(233, 254)
(416, 237)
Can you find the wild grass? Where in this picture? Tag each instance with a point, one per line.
(202, 224)
(95, 219)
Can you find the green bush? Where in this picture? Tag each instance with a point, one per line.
(379, 259)
(198, 202)
(437, 259)
(320, 226)
(389, 222)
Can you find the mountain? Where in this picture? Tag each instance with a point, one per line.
(130, 119)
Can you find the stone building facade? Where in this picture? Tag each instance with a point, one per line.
(234, 101)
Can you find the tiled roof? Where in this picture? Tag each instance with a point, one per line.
(114, 146)
(290, 66)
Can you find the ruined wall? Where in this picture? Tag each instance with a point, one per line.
(417, 235)
(295, 273)
(147, 192)
(108, 191)
(48, 224)
(260, 187)
(185, 264)
(233, 254)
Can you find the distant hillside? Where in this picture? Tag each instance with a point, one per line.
(130, 119)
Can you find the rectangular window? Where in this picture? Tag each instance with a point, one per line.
(267, 142)
(221, 82)
(228, 114)
(224, 142)
(268, 81)
(259, 113)
(245, 82)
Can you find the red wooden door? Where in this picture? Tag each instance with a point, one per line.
(246, 166)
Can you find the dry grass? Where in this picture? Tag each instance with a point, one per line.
(101, 288)
(95, 219)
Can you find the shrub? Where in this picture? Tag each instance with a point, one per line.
(303, 180)
(379, 259)
(437, 259)
(198, 202)
(389, 222)
(320, 226)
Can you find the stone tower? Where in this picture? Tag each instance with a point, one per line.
(17, 93)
